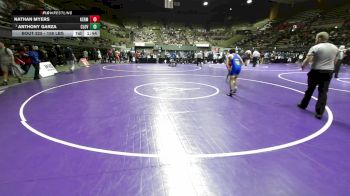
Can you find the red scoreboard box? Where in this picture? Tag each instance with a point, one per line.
(94, 19)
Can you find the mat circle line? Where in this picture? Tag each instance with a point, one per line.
(209, 155)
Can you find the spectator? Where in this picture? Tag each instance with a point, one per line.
(34, 56)
(70, 58)
(52, 56)
(42, 54)
(256, 56)
(99, 55)
(23, 54)
(340, 58)
(86, 55)
(7, 62)
(59, 52)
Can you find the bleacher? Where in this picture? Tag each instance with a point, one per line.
(304, 16)
(298, 32)
(332, 18)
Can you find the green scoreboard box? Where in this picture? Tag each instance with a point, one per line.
(95, 26)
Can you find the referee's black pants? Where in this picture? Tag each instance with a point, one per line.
(322, 79)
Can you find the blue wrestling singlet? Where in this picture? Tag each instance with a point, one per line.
(236, 65)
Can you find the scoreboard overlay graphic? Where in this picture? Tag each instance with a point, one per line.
(38, 23)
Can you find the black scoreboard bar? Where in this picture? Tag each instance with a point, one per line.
(43, 23)
(52, 26)
(50, 19)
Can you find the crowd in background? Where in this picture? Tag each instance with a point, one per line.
(31, 55)
(298, 33)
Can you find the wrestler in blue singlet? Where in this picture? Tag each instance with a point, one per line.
(236, 65)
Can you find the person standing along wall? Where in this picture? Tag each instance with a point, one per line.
(340, 58)
(52, 56)
(256, 56)
(70, 58)
(6, 62)
(86, 54)
(246, 57)
(34, 56)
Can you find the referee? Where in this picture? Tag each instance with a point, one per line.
(322, 57)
